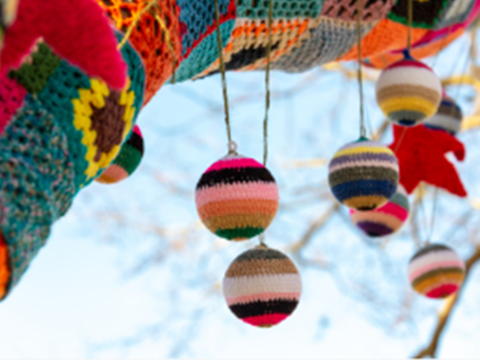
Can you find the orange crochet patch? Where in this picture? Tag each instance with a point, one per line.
(148, 37)
(433, 48)
(4, 267)
(385, 36)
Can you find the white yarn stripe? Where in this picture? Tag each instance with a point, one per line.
(369, 163)
(434, 257)
(415, 76)
(259, 284)
(444, 121)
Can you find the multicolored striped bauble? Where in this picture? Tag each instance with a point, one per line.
(408, 92)
(237, 198)
(436, 271)
(262, 287)
(448, 117)
(385, 220)
(363, 175)
(127, 160)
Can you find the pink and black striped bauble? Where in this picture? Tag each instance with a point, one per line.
(237, 198)
(408, 92)
(262, 287)
(436, 271)
(127, 161)
(386, 219)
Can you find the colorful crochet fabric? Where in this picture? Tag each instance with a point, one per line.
(448, 117)
(237, 198)
(408, 92)
(385, 220)
(421, 156)
(127, 160)
(8, 12)
(262, 287)
(363, 175)
(436, 271)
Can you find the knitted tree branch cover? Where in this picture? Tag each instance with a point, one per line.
(69, 98)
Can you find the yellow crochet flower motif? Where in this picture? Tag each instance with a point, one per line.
(105, 118)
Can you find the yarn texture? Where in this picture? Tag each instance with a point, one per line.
(385, 220)
(127, 160)
(421, 156)
(448, 117)
(262, 287)
(436, 271)
(237, 198)
(363, 175)
(408, 92)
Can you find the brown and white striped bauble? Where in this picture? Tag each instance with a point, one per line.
(262, 287)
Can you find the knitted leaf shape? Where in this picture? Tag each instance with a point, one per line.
(421, 155)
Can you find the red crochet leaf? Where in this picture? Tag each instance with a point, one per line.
(76, 30)
(421, 157)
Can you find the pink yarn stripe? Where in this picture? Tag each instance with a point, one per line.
(409, 63)
(437, 265)
(234, 163)
(262, 297)
(442, 291)
(12, 96)
(395, 210)
(137, 131)
(265, 320)
(252, 190)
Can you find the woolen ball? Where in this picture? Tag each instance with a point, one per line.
(385, 220)
(448, 117)
(127, 161)
(237, 198)
(363, 175)
(408, 92)
(436, 271)
(262, 287)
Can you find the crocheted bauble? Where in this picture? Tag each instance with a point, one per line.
(127, 161)
(385, 220)
(363, 175)
(237, 197)
(408, 92)
(262, 287)
(448, 117)
(436, 271)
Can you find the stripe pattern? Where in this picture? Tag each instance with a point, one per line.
(363, 175)
(385, 220)
(262, 287)
(127, 161)
(436, 271)
(408, 92)
(237, 198)
(448, 117)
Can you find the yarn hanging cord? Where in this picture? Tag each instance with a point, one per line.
(409, 26)
(363, 132)
(267, 94)
(231, 145)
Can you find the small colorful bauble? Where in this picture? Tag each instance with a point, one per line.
(448, 117)
(385, 220)
(363, 175)
(127, 160)
(408, 92)
(262, 287)
(237, 197)
(436, 271)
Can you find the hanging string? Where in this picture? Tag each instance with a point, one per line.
(224, 78)
(267, 82)
(409, 26)
(363, 131)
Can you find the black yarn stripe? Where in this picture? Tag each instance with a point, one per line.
(264, 307)
(429, 249)
(260, 254)
(362, 172)
(236, 175)
(136, 141)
